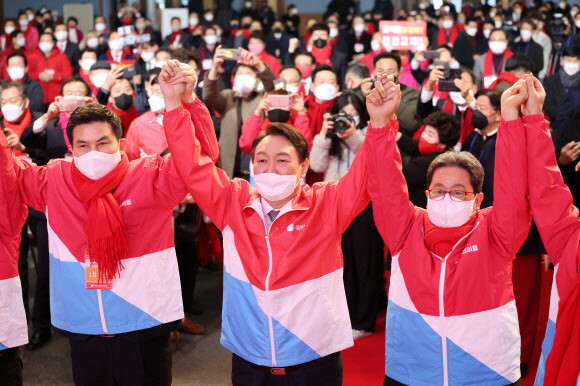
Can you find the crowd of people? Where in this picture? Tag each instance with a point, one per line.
(318, 168)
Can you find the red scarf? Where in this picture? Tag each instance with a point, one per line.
(316, 112)
(442, 36)
(104, 228)
(126, 116)
(440, 241)
(488, 62)
(19, 127)
(174, 36)
(563, 363)
(507, 77)
(439, 94)
(322, 55)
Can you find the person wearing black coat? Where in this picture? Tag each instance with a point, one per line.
(277, 41)
(567, 152)
(385, 8)
(441, 133)
(526, 45)
(465, 46)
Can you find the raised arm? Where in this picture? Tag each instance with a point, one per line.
(392, 209)
(510, 216)
(184, 125)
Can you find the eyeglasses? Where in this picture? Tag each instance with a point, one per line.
(456, 195)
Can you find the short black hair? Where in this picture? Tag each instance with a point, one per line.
(387, 55)
(494, 97)
(19, 86)
(48, 34)
(256, 35)
(283, 130)
(175, 18)
(184, 55)
(155, 80)
(19, 54)
(91, 50)
(324, 67)
(464, 160)
(305, 53)
(72, 18)
(470, 73)
(320, 27)
(447, 127)
(291, 67)
(445, 47)
(358, 69)
(519, 61)
(237, 67)
(528, 21)
(498, 29)
(93, 112)
(572, 51)
(163, 49)
(74, 79)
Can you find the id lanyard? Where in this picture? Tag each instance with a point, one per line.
(347, 162)
(483, 147)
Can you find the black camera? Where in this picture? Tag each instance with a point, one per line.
(341, 121)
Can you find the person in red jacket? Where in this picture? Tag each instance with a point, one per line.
(13, 330)
(294, 115)
(451, 316)
(447, 31)
(30, 32)
(121, 102)
(5, 39)
(49, 66)
(257, 45)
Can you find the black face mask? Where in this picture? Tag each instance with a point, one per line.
(319, 43)
(478, 120)
(124, 101)
(278, 115)
(246, 26)
(277, 30)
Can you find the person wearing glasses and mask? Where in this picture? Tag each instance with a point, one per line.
(452, 263)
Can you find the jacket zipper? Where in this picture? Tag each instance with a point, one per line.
(443, 322)
(269, 298)
(102, 312)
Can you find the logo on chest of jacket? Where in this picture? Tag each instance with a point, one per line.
(472, 248)
(293, 227)
(126, 203)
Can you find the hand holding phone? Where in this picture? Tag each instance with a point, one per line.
(232, 54)
(280, 101)
(68, 105)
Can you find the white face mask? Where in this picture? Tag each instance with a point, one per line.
(325, 92)
(497, 48)
(99, 80)
(147, 56)
(244, 84)
(46, 47)
(356, 120)
(277, 35)
(100, 27)
(471, 31)
(446, 213)
(176, 27)
(9, 29)
(210, 39)
(116, 45)
(12, 112)
(92, 42)
(359, 28)
(486, 33)
(456, 98)
(16, 73)
(492, 14)
(23, 24)
(375, 45)
(193, 21)
(577, 23)
(571, 69)
(156, 103)
(461, 20)
(498, 23)
(95, 164)
(21, 42)
(208, 17)
(275, 187)
(573, 13)
(526, 35)
(333, 32)
(447, 24)
(140, 26)
(61, 35)
(86, 64)
(291, 89)
(30, 16)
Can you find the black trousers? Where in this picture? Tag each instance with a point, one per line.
(41, 309)
(117, 361)
(364, 280)
(326, 371)
(11, 367)
(391, 382)
(187, 262)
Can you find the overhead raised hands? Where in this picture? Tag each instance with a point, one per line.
(177, 82)
(383, 101)
(513, 99)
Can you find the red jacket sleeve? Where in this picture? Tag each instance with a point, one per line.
(550, 199)
(302, 124)
(210, 186)
(250, 129)
(33, 66)
(510, 215)
(393, 212)
(201, 118)
(132, 149)
(63, 70)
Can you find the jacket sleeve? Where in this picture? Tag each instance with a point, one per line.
(36, 96)
(212, 95)
(387, 186)
(64, 69)
(132, 149)
(302, 124)
(13, 210)
(251, 127)
(211, 188)
(550, 199)
(267, 77)
(33, 66)
(510, 215)
(319, 157)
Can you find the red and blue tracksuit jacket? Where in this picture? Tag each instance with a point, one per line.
(147, 293)
(13, 330)
(284, 302)
(558, 223)
(452, 320)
